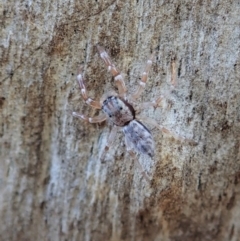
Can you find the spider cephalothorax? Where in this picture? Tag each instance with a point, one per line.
(118, 110)
(120, 113)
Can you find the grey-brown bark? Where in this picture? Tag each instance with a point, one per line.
(53, 186)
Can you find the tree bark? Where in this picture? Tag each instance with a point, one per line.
(52, 184)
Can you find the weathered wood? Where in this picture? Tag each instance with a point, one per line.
(52, 184)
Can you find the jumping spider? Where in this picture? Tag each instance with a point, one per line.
(119, 111)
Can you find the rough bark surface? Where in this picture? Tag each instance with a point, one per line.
(52, 184)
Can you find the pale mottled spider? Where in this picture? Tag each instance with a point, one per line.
(119, 111)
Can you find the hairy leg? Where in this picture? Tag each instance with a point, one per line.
(116, 74)
(109, 143)
(89, 101)
(144, 77)
(96, 119)
(146, 105)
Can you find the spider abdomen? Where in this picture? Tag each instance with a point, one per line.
(118, 110)
(139, 138)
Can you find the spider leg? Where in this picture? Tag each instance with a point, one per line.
(96, 119)
(134, 156)
(116, 74)
(144, 77)
(89, 101)
(156, 103)
(151, 121)
(110, 141)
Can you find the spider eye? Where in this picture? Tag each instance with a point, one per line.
(120, 108)
(110, 115)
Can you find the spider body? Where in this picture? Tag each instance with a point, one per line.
(121, 114)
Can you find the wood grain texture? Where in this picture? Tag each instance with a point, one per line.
(52, 184)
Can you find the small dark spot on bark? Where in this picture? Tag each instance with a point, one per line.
(42, 205)
(202, 116)
(231, 202)
(115, 51)
(236, 178)
(190, 95)
(179, 68)
(225, 126)
(204, 149)
(207, 83)
(199, 181)
(231, 232)
(178, 9)
(2, 99)
(189, 119)
(46, 180)
(212, 168)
